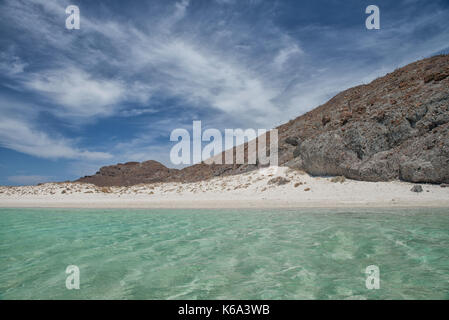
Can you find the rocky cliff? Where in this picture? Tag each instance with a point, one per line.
(396, 127)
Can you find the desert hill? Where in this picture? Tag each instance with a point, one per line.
(396, 127)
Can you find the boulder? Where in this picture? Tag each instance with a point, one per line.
(292, 141)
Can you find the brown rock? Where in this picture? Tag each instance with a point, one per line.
(278, 181)
(325, 120)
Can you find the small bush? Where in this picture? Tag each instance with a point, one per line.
(278, 181)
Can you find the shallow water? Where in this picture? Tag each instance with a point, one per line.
(224, 254)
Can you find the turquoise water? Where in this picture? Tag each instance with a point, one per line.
(224, 254)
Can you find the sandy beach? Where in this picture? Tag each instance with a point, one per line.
(274, 187)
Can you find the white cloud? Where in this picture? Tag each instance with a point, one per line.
(19, 136)
(180, 9)
(77, 91)
(167, 63)
(137, 112)
(286, 53)
(204, 78)
(11, 64)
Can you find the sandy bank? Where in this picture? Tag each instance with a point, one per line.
(259, 189)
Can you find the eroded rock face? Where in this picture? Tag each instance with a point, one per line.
(426, 158)
(327, 154)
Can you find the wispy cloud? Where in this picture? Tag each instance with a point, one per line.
(19, 136)
(176, 64)
(286, 53)
(11, 64)
(209, 64)
(20, 130)
(77, 92)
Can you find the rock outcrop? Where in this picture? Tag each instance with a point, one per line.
(129, 173)
(396, 127)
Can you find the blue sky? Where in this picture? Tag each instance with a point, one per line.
(112, 91)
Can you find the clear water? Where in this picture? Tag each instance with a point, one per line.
(224, 254)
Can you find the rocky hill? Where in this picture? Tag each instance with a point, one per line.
(396, 127)
(130, 173)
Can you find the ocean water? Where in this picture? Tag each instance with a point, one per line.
(224, 254)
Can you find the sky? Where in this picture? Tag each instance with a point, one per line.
(112, 91)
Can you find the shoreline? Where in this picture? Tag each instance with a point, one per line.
(114, 202)
(223, 205)
(276, 187)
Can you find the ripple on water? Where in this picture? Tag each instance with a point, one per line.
(224, 254)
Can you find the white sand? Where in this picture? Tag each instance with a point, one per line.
(250, 190)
